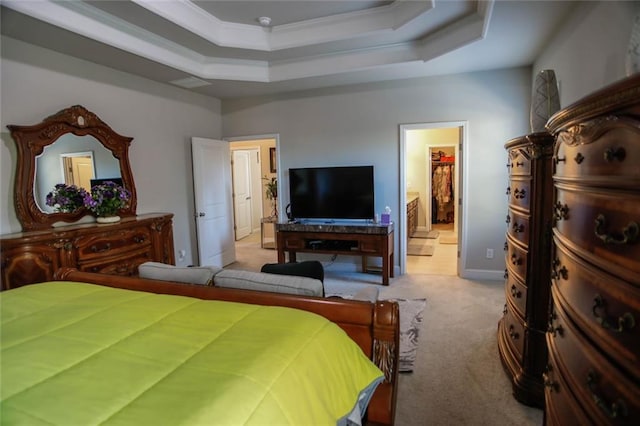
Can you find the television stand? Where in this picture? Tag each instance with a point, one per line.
(334, 238)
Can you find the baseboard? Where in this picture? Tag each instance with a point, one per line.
(482, 274)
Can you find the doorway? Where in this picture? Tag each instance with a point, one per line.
(260, 166)
(431, 171)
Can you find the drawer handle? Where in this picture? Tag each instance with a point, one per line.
(508, 190)
(611, 154)
(504, 309)
(516, 260)
(139, 239)
(519, 193)
(515, 292)
(628, 236)
(579, 158)
(506, 274)
(548, 382)
(562, 273)
(559, 160)
(625, 322)
(508, 219)
(106, 247)
(555, 331)
(562, 211)
(518, 228)
(513, 334)
(613, 410)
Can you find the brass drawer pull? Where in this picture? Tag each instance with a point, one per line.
(555, 331)
(508, 219)
(513, 334)
(139, 239)
(519, 193)
(579, 158)
(625, 322)
(562, 273)
(548, 382)
(506, 274)
(519, 164)
(515, 260)
(559, 160)
(515, 293)
(611, 154)
(629, 233)
(508, 190)
(518, 228)
(106, 247)
(562, 211)
(613, 410)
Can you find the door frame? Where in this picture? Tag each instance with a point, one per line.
(461, 198)
(276, 137)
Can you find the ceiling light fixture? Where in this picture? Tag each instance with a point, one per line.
(265, 21)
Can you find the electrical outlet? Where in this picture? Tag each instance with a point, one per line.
(181, 254)
(489, 253)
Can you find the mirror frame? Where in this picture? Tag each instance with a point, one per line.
(31, 141)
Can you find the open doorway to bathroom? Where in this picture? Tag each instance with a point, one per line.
(431, 185)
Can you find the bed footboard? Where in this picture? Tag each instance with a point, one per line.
(373, 326)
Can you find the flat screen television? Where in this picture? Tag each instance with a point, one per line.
(332, 192)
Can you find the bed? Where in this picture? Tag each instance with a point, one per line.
(102, 349)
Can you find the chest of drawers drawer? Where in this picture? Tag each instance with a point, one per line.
(519, 192)
(514, 333)
(519, 162)
(518, 226)
(516, 292)
(606, 393)
(516, 259)
(603, 305)
(603, 149)
(604, 226)
(561, 404)
(112, 244)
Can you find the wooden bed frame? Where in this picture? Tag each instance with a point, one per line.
(373, 326)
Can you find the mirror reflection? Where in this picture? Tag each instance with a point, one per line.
(74, 160)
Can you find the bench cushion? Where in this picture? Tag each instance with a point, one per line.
(262, 281)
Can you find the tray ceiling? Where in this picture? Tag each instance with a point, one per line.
(219, 48)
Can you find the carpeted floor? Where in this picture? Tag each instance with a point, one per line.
(458, 378)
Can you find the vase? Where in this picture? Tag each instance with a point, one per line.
(108, 219)
(545, 100)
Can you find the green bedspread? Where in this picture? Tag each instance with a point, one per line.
(82, 354)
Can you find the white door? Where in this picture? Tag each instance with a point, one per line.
(213, 205)
(242, 193)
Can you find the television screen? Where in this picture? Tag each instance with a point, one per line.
(332, 192)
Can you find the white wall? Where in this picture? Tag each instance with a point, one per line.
(36, 83)
(360, 125)
(589, 51)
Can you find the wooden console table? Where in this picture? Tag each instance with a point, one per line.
(355, 240)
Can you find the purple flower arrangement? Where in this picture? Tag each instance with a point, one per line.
(66, 198)
(107, 199)
(104, 200)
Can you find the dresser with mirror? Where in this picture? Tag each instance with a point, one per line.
(74, 146)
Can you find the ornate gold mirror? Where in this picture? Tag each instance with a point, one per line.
(48, 152)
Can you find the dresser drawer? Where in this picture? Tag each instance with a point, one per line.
(516, 260)
(604, 306)
(604, 225)
(107, 245)
(608, 395)
(519, 192)
(604, 148)
(516, 292)
(560, 403)
(519, 162)
(126, 264)
(513, 329)
(518, 226)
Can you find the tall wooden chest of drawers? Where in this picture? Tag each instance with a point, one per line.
(593, 376)
(117, 249)
(521, 331)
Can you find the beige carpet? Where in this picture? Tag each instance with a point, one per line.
(458, 379)
(419, 247)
